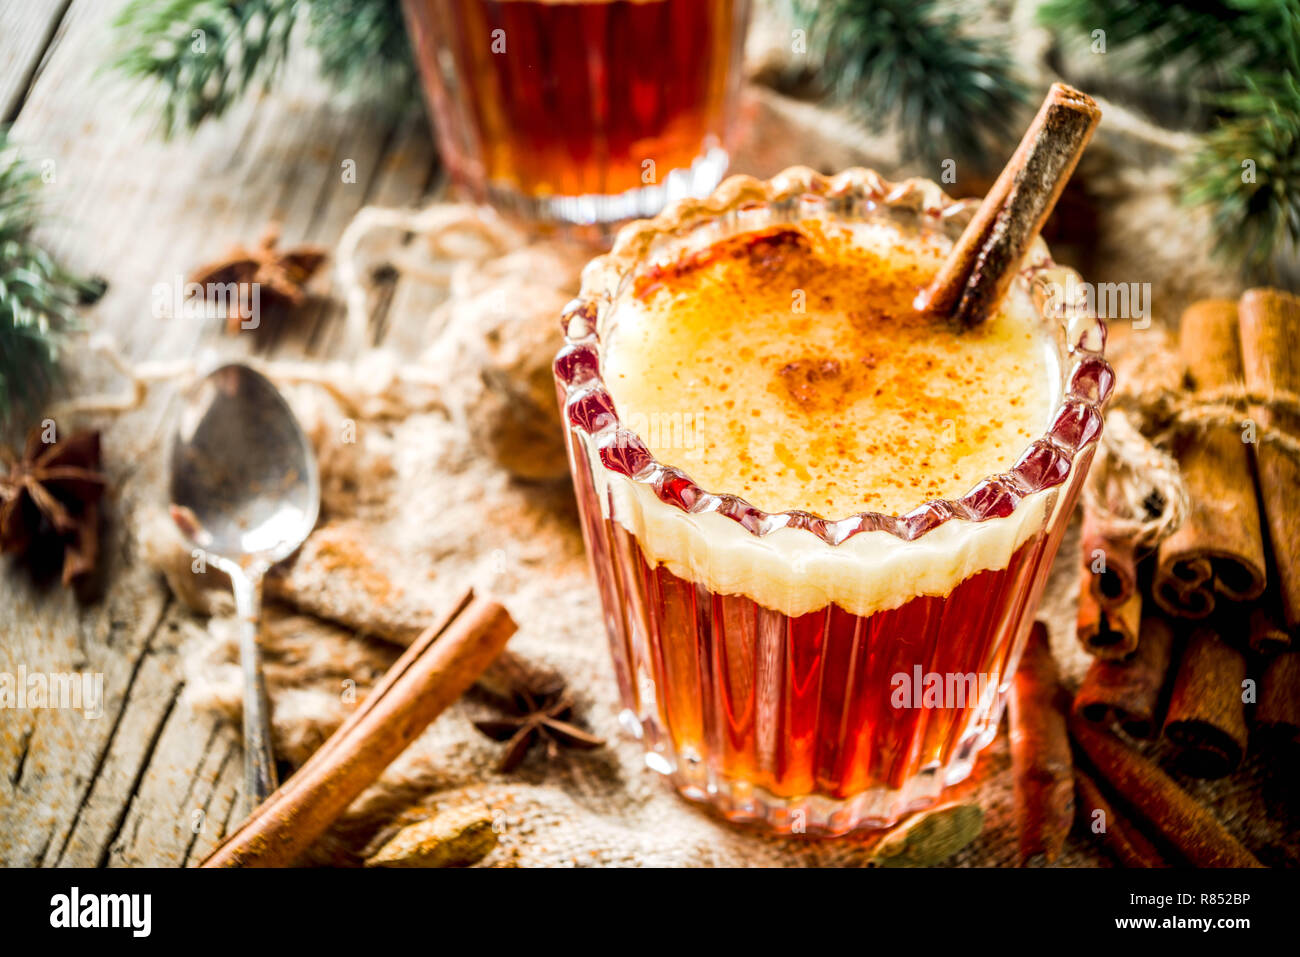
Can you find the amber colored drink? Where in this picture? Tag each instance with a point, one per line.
(820, 521)
(581, 110)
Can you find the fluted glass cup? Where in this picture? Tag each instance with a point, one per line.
(581, 111)
(760, 656)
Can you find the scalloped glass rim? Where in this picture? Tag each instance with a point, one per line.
(854, 194)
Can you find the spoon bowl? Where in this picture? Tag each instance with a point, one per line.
(244, 476)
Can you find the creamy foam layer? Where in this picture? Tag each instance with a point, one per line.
(794, 572)
(789, 367)
(927, 371)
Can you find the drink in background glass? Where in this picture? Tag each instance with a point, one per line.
(581, 111)
(820, 522)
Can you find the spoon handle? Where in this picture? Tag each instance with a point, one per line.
(259, 760)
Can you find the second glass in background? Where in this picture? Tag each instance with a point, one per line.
(581, 112)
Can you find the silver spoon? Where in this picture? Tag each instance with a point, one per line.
(245, 490)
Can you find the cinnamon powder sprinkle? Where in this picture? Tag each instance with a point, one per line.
(810, 380)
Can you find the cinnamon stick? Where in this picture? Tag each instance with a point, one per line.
(1158, 801)
(1118, 835)
(1219, 550)
(1270, 329)
(1265, 633)
(1110, 634)
(431, 674)
(1111, 564)
(1277, 716)
(1207, 717)
(975, 277)
(1128, 692)
(1040, 753)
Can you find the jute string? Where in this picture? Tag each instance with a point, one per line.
(1135, 491)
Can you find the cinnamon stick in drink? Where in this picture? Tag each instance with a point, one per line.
(1040, 753)
(1118, 835)
(1159, 802)
(1270, 330)
(980, 267)
(1110, 634)
(428, 677)
(1219, 550)
(1127, 692)
(1207, 717)
(1277, 716)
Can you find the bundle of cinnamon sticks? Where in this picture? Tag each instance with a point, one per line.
(1195, 642)
(1197, 637)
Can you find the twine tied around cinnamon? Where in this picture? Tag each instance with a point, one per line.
(1135, 490)
(1224, 407)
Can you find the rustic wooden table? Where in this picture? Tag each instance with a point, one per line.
(150, 783)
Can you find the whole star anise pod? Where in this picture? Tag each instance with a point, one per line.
(49, 500)
(537, 719)
(278, 275)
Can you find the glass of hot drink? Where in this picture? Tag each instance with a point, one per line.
(581, 111)
(820, 520)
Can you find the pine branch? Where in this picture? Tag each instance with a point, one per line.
(1242, 58)
(950, 91)
(1248, 171)
(38, 297)
(364, 48)
(1204, 40)
(203, 55)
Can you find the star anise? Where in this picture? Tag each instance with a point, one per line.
(279, 275)
(537, 719)
(49, 501)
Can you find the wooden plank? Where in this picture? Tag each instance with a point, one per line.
(62, 750)
(134, 742)
(409, 176)
(222, 809)
(171, 806)
(325, 198)
(400, 309)
(27, 30)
